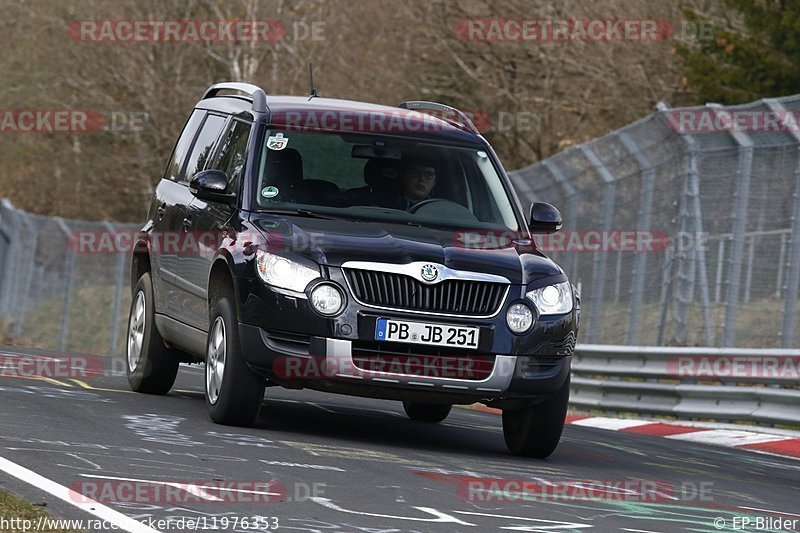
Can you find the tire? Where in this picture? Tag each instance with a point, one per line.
(427, 412)
(151, 367)
(535, 431)
(233, 392)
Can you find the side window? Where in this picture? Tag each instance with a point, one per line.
(201, 151)
(233, 152)
(182, 146)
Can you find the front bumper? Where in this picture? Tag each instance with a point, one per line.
(280, 331)
(328, 364)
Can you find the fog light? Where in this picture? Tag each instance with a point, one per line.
(327, 299)
(519, 318)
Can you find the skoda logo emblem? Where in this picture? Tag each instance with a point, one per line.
(429, 273)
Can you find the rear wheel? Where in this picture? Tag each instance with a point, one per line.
(151, 366)
(535, 431)
(427, 412)
(233, 392)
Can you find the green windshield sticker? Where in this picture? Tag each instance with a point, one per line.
(277, 142)
(269, 192)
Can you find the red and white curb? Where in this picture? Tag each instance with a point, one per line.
(787, 445)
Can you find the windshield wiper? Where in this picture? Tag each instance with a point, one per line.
(307, 213)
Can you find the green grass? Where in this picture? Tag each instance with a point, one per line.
(12, 507)
(89, 326)
(758, 324)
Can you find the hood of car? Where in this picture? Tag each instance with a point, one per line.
(334, 242)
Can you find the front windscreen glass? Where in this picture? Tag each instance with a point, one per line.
(380, 178)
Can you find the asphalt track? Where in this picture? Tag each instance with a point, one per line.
(340, 464)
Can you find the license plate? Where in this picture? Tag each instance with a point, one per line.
(387, 329)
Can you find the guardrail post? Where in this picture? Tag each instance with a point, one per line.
(601, 256)
(645, 217)
(62, 340)
(792, 291)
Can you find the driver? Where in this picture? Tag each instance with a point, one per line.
(417, 181)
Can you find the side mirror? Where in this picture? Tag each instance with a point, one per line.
(211, 185)
(544, 218)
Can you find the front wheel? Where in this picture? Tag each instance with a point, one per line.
(233, 392)
(151, 366)
(535, 431)
(427, 412)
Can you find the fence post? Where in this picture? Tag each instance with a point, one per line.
(573, 196)
(742, 199)
(9, 249)
(600, 257)
(62, 340)
(645, 217)
(120, 281)
(691, 208)
(666, 290)
(687, 267)
(793, 270)
(25, 274)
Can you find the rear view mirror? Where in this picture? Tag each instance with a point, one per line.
(544, 218)
(211, 185)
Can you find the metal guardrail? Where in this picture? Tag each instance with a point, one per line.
(727, 384)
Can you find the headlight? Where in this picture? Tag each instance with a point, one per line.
(327, 299)
(553, 299)
(280, 272)
(519, 318)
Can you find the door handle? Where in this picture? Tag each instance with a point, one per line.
(187, 224)
(162, 210)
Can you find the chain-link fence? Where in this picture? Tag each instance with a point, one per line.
(55, 297)
(716, 192)
(714, 257)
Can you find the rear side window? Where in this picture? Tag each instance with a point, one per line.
(183, 145)
(203, 146)
(233, 152)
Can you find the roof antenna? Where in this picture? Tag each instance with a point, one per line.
(311, 82)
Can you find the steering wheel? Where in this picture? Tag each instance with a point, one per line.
(443, 207)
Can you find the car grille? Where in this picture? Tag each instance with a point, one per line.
(453, 296)
(422, 361)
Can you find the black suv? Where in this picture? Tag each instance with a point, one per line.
(352, 248)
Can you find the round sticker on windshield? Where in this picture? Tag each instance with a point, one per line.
(277, 142)
(481, 153)
(269, 192)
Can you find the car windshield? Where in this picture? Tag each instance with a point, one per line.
(381, 178)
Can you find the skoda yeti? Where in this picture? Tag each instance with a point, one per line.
(350, 248)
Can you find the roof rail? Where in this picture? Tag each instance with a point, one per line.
(255, 93)
(441, 108)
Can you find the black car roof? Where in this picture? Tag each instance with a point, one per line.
(301, 113)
